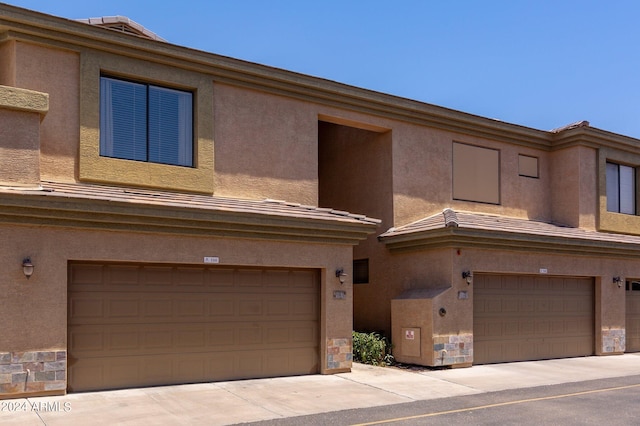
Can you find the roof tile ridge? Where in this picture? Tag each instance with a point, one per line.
(450, 218)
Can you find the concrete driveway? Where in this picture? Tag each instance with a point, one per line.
(223, 403)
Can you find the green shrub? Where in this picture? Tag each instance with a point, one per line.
(371, 348)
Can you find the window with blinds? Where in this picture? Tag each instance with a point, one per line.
(144, 122)
(621, 188)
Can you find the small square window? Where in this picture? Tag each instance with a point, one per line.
(528, 166)
(361, 271)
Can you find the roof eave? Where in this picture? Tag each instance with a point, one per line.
(110, 215)
(497, 240)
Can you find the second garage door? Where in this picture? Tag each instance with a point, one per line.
(519, 318)
(142, 325)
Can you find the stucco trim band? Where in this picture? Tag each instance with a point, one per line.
(24, 100)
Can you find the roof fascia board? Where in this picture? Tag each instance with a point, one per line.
(106, 214)
(595, 138)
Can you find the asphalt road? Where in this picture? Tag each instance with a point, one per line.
(607, 402)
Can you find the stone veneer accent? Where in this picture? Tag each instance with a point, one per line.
(32, 372)
(339, 354)
(613, 340)
(459, 349)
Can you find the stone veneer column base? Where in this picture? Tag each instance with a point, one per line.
(339, 354)
(613, 341)
(34, 373)
(453, 350)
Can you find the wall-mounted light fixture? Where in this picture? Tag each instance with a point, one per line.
(467, 276)
(27, 267)
(617, 280)
(341, 275)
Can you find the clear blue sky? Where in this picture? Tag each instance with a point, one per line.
(537, 63)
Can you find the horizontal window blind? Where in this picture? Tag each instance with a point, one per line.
(145, 123)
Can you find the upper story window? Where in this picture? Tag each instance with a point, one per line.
(476, 173)
(621, 188)
(144, 122)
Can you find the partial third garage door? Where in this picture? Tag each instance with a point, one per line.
(633, 316)
(519, 318)
(143, 325)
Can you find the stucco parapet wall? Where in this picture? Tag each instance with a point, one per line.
(134, 209)
(27, 25)
(452, 228)
(22, 24)
(23, 100)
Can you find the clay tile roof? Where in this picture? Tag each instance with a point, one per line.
(575, 125)
(122, 24)
(506, 225)
(190, 201)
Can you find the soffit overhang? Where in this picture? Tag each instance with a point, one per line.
(453, 229)
(130, 209)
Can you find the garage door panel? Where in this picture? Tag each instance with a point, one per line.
(554, 318)
(122, 275)
(249, 278)
(506, 305)
(632, 296)
(275, 279)
(86, 340)
(160, 330)
(527, 328)
(85, 307)
(120, 307)
(153, 306)
(189, 277)
(221, 307)
(87, 275)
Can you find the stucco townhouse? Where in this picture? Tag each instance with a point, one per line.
(169, 215)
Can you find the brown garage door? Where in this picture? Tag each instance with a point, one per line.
(633, 316)
(518, 318)
(142, 325)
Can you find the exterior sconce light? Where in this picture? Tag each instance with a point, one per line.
(27, 267)
(617, 280)
(467, 276)
(340, 275)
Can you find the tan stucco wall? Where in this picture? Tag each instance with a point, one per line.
(20, 148)
(574, 174)
(7, 63)
(443, 267)
(55, 72)
(422, 163)
(265, 145)
(34, 312)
